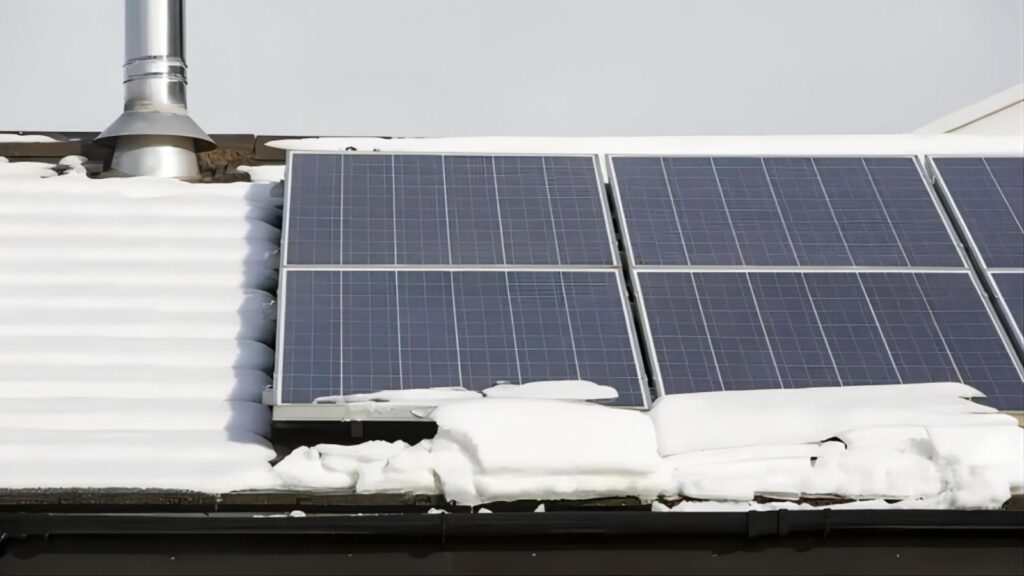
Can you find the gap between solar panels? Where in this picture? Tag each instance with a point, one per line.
(412, 271)
(785, 272)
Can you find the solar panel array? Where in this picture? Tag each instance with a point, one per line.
(418, 271)
(793, 272)
(429, 270)
(986, 199)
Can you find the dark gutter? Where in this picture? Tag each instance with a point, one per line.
(446, 527)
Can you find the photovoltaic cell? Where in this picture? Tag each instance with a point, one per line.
(736, 330)
(988, 195)
(780, 212)
(352, 331)
(397, 209)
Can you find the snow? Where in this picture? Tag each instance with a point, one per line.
(25, 169)
(553, 390)
(134, 331)
(502, 449)
(24, 138)
(709, 420)
(266, 173)
(416, 396)
(506, 449)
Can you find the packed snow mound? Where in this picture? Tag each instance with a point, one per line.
(135, 331)
(371, 467)
(554, 390)
(503, 449)
(728, 419)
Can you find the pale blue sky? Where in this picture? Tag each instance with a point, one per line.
(527, 67)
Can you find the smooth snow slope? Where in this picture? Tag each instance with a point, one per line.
(135, 331)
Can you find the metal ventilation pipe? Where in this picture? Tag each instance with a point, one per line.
(155, 135)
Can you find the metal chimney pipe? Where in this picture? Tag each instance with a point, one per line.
(155, 135)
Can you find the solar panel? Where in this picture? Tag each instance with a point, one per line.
(745, 330)
(987, 198)
(418, 209)
(355, 331)
(693, 211)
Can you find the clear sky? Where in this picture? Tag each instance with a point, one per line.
(527, 67)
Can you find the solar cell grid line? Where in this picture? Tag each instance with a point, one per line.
(986, 204)
(417, 328)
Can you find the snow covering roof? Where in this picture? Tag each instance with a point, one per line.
(134, 331)
(999, 114)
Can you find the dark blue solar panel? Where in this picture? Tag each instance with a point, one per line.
(824, 329)
(781, 211)
(850, 329)
(989, 196)
(354, 331)
(357, 209)
(973, 339)
(679, 336)
(1011, 289)
(794, 333)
